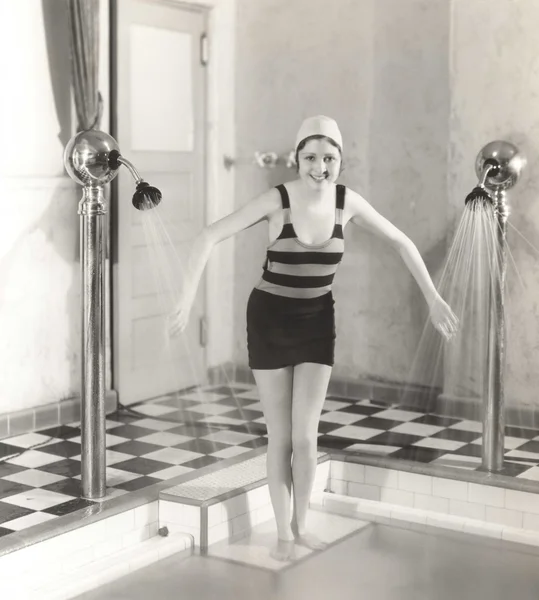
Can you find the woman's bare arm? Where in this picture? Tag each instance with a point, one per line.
(364, 215)
(200, 250)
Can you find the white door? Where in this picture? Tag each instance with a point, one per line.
(159, 123)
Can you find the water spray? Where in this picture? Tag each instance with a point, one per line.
(92, 158)
(498, 167)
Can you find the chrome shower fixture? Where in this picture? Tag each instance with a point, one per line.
(498, 167)
(92, 158)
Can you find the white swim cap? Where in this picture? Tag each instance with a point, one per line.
(319, 125)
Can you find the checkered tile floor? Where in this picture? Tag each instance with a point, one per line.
(187, 431)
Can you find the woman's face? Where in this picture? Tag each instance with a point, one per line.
(319, 164)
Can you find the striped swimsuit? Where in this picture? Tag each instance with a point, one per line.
(290, 312)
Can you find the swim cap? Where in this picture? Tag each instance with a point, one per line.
(319, 125)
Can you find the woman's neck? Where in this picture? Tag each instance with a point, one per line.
(309, 196)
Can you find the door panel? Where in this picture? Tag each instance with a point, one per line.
(160, 98)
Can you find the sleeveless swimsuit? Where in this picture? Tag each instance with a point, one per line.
(290, 312)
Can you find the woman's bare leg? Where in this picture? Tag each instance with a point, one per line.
(275, 390)
(309, 392)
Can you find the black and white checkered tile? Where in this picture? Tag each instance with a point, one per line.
(182, 432)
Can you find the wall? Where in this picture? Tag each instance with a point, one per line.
(407, 160)
(417, 92)
(293, 60)
(39, 269)
(418, 88)
(385, 80)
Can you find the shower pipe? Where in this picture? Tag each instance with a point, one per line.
(498, 167)
(92, 159)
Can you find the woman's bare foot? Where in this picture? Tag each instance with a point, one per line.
(284, 550)
(308, 540)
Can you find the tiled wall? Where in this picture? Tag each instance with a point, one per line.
(226, 519)
(55, 564)
(508, 509)
(49, 415)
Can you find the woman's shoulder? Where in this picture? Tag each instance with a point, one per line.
(354, 204)
(270, 200)
(352, 196)
(288, 185)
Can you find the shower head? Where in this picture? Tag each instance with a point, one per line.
(146, 196)
(479, 196)
(92, 158)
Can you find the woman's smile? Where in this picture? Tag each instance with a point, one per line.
(319, 178)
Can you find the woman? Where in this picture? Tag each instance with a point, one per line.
(290, 314)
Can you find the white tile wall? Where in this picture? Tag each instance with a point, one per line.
(92, 546)
(219, 532)
(175, 513)
(148, 513)
(431, 503)
(488, 495)
(448, 503)
(338, 486)
(503, 516)
(530, 521)
(449, 488)
(382, 495)
(401, 497)
(406, 514)
(523, 501)
(215, 514)
(522, 536)
(363, 490)
(233, 507)
(265, 513)
(342, 506)
(258, 497)
(470, 510)
(491, 530)
(445, 521)
(382, 477)
(322, 477)
(347, 471)
(413, 482)
(79, 560)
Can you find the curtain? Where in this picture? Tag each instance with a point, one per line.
(84, 42)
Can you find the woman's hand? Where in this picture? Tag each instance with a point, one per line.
(443, 318)
(179, 318)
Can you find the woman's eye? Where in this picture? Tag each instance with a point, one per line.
(329, 158)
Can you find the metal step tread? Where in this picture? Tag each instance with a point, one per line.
(226, 482)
